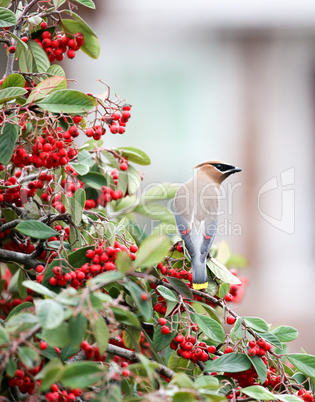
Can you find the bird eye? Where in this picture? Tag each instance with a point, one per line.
(218, 166)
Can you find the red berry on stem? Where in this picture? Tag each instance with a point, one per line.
(162, 321)
(230, 320)
(123, 166)
(165, 330)
(43, 345)
(43, 25)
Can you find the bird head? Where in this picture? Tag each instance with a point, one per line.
(218, 170)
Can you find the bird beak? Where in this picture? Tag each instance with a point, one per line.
(234, 170)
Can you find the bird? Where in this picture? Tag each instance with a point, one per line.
(196, 208)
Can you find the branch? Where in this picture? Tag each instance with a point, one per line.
(126, 354)
(9, 225)
(14, 256)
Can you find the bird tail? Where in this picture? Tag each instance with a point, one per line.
(200, 275)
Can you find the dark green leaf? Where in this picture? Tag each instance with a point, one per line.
(256, 323)
(238, 330)
(91, 44)
(67, 101)
(160, 341)
(19, 308)
(224, 289)
(50, 314)
(28, 356)
(56, 245)
(167, 293)
(258, 392)
(101, 333)
(230, 363)
(94, 179)
(285, 333)
(179, 364)
(303, 362)
(271, 338)
(13, 80)
(210, 327)
(125, 316)
(11, 368)
(135, 155)
(260, 368)
(36, 230)
(81, 374)
(8, 137)
(78, 258)
(7, 18)
(50, 374)
(152, 250)
(180, 287)
(143, 306)
(57, 337)
(3, 336)
(33, 60)
(21, 289)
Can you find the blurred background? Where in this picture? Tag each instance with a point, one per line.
(233, 81)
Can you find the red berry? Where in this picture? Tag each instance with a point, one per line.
(179, 248)
(162, 321)
(84, 345)
(71, 54)
(133, 248)
(43, 25)
(230, 320)
(144, 296)
(228, 297)
(179, 338)
(261, 342)
(165, 330)
(228, 349)
(53, 281)
(212, 349)
(251, 344)
(12, 49)
(43, 345)
(40, 268)
(123, 166)
(24, 39)
(125, 373)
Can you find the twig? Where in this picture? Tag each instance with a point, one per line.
(14, 256)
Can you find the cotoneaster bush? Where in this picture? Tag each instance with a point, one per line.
(93, 308)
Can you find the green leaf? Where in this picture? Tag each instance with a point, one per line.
(50, 314)
(77, 330)
(210, 327)
(35, 229)
(94, 179)
(28, 356)
(101, 333)
(14, 80)
(11, 368)
(3, 336)
(156, 212)
(303, 362)
(91, 45)
(152, 250)
(160, 341)
(125, 316)
(33, 60)
(143, 306)
(54, 69)
(167, 293)
(20, 321)
(7, 18)
(86, 3)
(207, 381)
(221, 272)
(57, 337)
(131, 337)
(50, 374)
(288, 398)
(260, 368)
(256, 323)
(67, 101)
(134, 180)
(19, 308)
(8, 137)
(85, 158)
(74, 208)
(38, 288)
(123, 261)
(181, 287)
(80, 196)
(271, 338)
(135, 155)
(238, 330)
(111, 159)
(285, 333)
(4, 3)
(21, 289)
(56, 245)
(258, 392)
(179, 364)
(163, 191)
(230, 363)
(46, 87)
(224, 289)
(78, 258)
(107, 277)
(81, 374)
(80, 169)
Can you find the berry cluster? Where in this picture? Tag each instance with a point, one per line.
(58, 45)
(24, 380)
(107, 195)
(189, 348)
(101, 260)
(58, 395)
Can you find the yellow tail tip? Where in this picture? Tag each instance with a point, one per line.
(198, 286)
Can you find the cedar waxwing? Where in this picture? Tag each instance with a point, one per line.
(196, 207)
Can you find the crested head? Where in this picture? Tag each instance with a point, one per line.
(218, 170)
